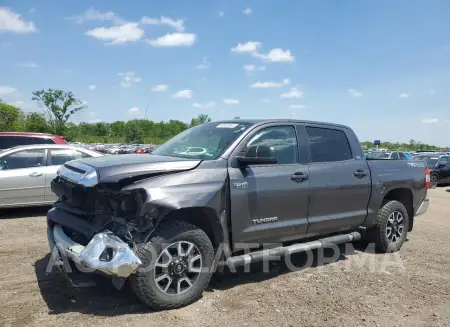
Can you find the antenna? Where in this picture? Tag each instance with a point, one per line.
(145, 115)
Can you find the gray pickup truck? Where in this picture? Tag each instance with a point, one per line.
(160, 220)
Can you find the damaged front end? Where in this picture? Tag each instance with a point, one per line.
(97, 227)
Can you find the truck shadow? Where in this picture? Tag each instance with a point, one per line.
(16, 213)
(258, 272)
(105, 300)
(102, 299)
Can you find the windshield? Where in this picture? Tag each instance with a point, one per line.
(207, 141)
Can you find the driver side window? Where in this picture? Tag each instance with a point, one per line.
(23, 159)
(444, 161)
(282, 139)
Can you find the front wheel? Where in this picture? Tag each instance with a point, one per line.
(391, 227)
(176, 266)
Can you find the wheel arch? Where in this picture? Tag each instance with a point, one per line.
(205, 218)
(404, 196)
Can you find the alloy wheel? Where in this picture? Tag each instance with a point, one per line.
(395, 227)
(177, 267)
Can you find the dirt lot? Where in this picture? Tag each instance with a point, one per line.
(347, 292)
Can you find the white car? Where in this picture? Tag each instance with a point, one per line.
(26, 172)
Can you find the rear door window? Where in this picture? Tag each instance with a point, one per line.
(43, 140)
(7, 141)
(328, 145)
(61, 156)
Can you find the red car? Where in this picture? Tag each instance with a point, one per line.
(11, 139)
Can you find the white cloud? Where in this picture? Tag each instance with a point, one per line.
(84, 102)
(277, 55)
(355, 93)
(174, 40)
(274, 55)
(134, 111)
(160, 88)
(92, 114)
(18, 102)
(28, 64)
(404, 95)
(128, 79)
(430, 120)
(264, 85)
(205, 64)
(265, 100)
(294, 93)
(297, 106)
(252, 68)
(183, 94)
(231, 101)
(247, 11)
(128, 32)
(94, 15)
(177, 24)
(204, 105)
(6, 90)
(92, 87)
(248, 47)
(12, 22)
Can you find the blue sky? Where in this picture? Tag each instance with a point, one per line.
(381, 67)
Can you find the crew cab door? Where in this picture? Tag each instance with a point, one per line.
(339, 178)
(269, 202)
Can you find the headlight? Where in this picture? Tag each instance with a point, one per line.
(89, 178)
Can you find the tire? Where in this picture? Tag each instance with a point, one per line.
(434, 180)
(144, 283)
(379, 233)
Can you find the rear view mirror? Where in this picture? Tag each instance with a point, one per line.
(258, 155)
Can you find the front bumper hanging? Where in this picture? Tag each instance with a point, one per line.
(105, 252)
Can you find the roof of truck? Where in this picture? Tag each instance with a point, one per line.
(268, 121)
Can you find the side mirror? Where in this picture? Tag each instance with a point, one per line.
(258, 155)
(441, 165)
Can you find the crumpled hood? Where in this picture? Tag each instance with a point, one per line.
(118, 167)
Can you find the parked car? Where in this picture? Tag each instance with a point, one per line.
(27, 171)
(12, 139)
(392, 155)
(439, 166)
(257, 182)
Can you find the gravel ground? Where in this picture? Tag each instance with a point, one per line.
(410, 288)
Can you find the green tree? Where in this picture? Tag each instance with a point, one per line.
(201, 119)
(10, 117)
(59, 106)
(36, 122)
(133, 132)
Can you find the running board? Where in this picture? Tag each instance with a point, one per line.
(258, 256)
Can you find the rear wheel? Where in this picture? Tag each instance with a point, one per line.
(391, 228)
(434, 179)
(176, 266)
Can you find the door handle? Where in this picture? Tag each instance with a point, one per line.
(359, 173)
(36, 174)
(299, 177)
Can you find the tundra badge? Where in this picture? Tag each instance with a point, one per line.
(264, 220)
